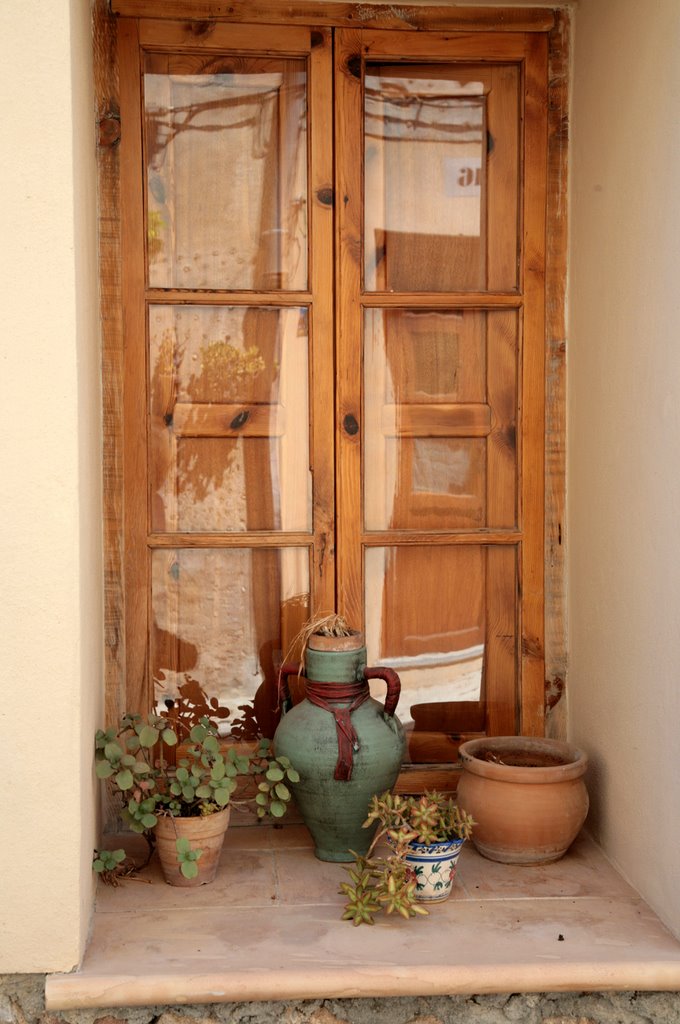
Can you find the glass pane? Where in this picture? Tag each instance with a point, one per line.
(441, 158)
(440, 397)
(229, 430)
(226, 618)
(443, 617)
(226, 155)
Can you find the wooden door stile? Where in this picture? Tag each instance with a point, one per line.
(321, 370)
(349, 361)
(133, 242)
(532, 466)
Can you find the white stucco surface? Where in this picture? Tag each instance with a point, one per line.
(624, 434)
(50, 613)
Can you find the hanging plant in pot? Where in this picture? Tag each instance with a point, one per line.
(527, 795)
(183, 808)
(346, 745)
(423, 836)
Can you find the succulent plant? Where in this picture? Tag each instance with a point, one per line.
(387, 882)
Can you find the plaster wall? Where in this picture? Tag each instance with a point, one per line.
(51, 607)
(624, 434)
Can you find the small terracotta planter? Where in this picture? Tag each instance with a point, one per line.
(526, 794)
(204, 833)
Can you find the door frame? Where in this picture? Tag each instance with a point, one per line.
(203, 15)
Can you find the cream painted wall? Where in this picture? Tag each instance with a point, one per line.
(51, 608)
(624, 434)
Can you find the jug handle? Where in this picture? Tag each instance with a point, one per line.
(289, 668)
(393, 686)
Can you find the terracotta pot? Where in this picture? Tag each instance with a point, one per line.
(205, 833)
(434, 865)
(526, 794)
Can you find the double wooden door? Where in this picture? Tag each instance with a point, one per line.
(333, 279)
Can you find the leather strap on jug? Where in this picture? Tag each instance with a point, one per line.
(326, 696)
(351, 695)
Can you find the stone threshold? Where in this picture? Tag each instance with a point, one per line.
(270, 928)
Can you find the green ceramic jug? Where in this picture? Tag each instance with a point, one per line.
(345, 745)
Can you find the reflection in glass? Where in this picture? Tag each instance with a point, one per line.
(226, 618)
(226, 154)
(229, 430)
(425, 617)
(441, 155)
(426, 419)
(425, 167)
(444, 617)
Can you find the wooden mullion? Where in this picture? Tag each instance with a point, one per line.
(532, 390)
(321, 273)
(247, 539)
(349, 327)
(136, 560)
(344, 15)
(404, 538)
(185, 297)
(442, 300)
(437, 47)
(288, 41)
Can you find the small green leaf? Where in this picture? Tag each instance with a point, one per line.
(103, 770)
(198, 734)
(189, 868)
(274, 774)
(222, 797)
(261, 799)
(219, 771)
(125, 779)
(113, 751)
(277, 809)
(149, 820)
(148, 736)
(182, 845)
(188, 793)
(293, 776)
(211, 745)
(282, 791)
(169, 737)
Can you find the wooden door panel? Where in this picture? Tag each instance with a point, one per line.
(439, 517)
(228, 277)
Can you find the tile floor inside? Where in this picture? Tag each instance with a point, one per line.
(270, 927)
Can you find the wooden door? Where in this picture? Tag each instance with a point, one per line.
(333, 282)
(228, 239)
(439, 259)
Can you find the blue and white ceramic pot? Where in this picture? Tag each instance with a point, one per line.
(435, 868)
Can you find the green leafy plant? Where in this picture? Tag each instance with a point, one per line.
(112, 865)
(385, 881)
(134, 758)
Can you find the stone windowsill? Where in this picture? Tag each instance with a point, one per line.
(269, 928)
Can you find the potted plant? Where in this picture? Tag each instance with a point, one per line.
(527, 794)
(183, 803)
(423, 836)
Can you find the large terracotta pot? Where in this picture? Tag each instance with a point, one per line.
(204, 833)
(526, 794)
(345, 745)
